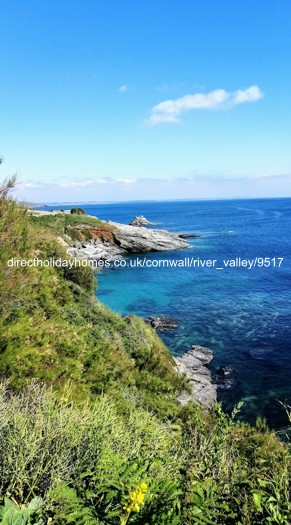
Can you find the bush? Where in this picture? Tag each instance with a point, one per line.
(78, 211)
(84, 276)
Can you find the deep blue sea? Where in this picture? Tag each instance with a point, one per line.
(242, 315)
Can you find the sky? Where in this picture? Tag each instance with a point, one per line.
(108, 100)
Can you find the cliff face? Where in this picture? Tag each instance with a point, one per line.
(117, 240)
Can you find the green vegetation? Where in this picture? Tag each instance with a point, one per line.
(11, 513)
(78, 211)
(59, 222)
(90, 429)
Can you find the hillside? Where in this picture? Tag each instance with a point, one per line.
(90, 427)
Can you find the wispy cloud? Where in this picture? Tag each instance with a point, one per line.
(170, 111)
(123, 88)
(193, 185)
(74, 184)
(194, 177)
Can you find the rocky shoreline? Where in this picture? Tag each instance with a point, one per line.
(126, 240)
(112, 240)
(137, 238)
(194, 364)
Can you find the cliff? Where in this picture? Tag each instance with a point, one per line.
(90, 424)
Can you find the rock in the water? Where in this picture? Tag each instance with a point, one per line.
(189, 235)
(140, 220)
(162, 322)
(192, 363)
(225, 377)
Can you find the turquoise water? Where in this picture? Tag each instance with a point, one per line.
(242, 315)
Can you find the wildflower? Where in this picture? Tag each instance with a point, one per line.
(134, 501)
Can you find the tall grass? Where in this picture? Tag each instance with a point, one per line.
(46, 439)
(48, 442)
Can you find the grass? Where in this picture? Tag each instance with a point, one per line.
(58, 222)
(89, 419)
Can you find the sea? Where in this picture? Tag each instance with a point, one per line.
(242, 311)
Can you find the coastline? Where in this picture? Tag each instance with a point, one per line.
(113, 240)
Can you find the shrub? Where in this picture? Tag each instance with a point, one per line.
(81, 275)
(78, 211)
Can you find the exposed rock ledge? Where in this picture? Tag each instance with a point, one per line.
(127, 240)
(194, 364)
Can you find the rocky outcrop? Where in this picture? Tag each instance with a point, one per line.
(140, 220)
(194, 364)
(161, 323)
(126, 240)
(135, 239)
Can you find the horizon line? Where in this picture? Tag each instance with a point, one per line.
(198, 199)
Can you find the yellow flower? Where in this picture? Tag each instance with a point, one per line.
(135, 499)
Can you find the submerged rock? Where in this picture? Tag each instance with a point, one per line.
(189, 235)
(225, 377)
(193, 364)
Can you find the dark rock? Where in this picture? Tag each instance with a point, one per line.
(225, 377)
(161, 323)
(189, 235)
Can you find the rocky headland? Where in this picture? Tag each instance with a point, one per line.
(112, 240)
(120, 240)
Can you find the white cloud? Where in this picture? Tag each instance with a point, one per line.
(74, 184)
(123, 88)
(27, 185)
(208, 185)
(169, 111)
(194, 177)
(161, 118)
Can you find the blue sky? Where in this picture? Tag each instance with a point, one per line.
(130, 99)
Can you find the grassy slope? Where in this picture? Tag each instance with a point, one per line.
(61, 332)
(87, 456)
